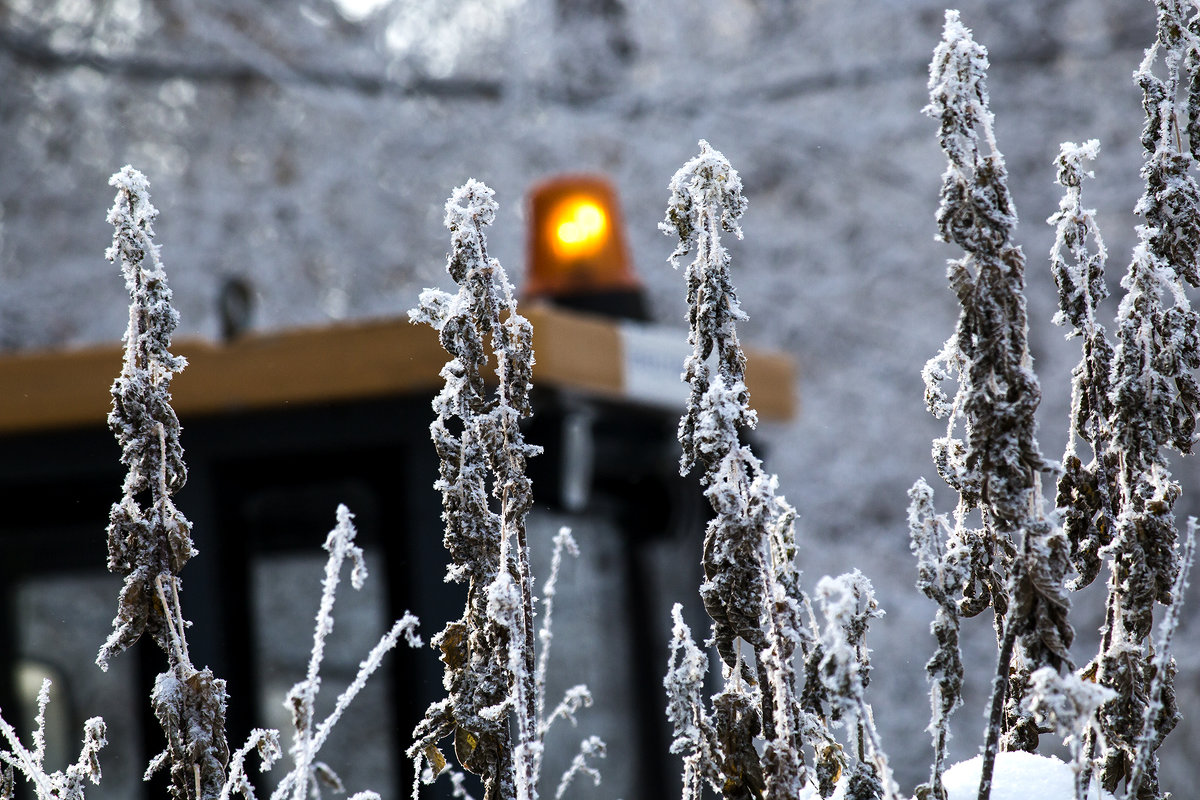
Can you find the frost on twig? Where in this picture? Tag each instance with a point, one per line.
(590, 748)
(308, 775)
(577, 696)
(694, 736)
(941, 571)
(68, 784)
(266, 743)
(495, 690)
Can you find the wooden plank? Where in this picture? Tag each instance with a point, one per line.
(585, 352)
(575, 351)
(771, 379)
(341, 362)
(61, 389)
(47, 390)
(70, 388)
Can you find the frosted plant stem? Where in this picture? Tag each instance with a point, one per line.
(368, 666)
(267, 743)
(544, 633)
(176, 608)
(869, 734)
(520, 656)
(39, 722)
(27, 763)
(308, 738)
(61, 785)
(169, 613)
(172, 611)
(562, 541)
(1162, 664)
(778, 662)
(526, 685)
(592, 746)
(996, 713)
(748, 549)
(492, 671)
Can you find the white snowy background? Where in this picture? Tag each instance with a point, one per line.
(309, 147)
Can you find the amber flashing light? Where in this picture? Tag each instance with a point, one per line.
(576, 239)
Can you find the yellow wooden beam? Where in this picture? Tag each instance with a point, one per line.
(592, 355)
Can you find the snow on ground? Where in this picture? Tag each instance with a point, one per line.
(1019, 776)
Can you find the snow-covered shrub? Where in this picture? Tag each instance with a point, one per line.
(1130, 402)
(150, 545)
(1087, 494)
(495, 708)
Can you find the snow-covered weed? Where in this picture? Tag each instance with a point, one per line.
(751, 589)
(495, 683)
(1130, 402)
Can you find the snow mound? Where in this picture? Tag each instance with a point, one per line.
(1019, 776)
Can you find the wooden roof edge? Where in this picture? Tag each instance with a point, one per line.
(49, 389)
